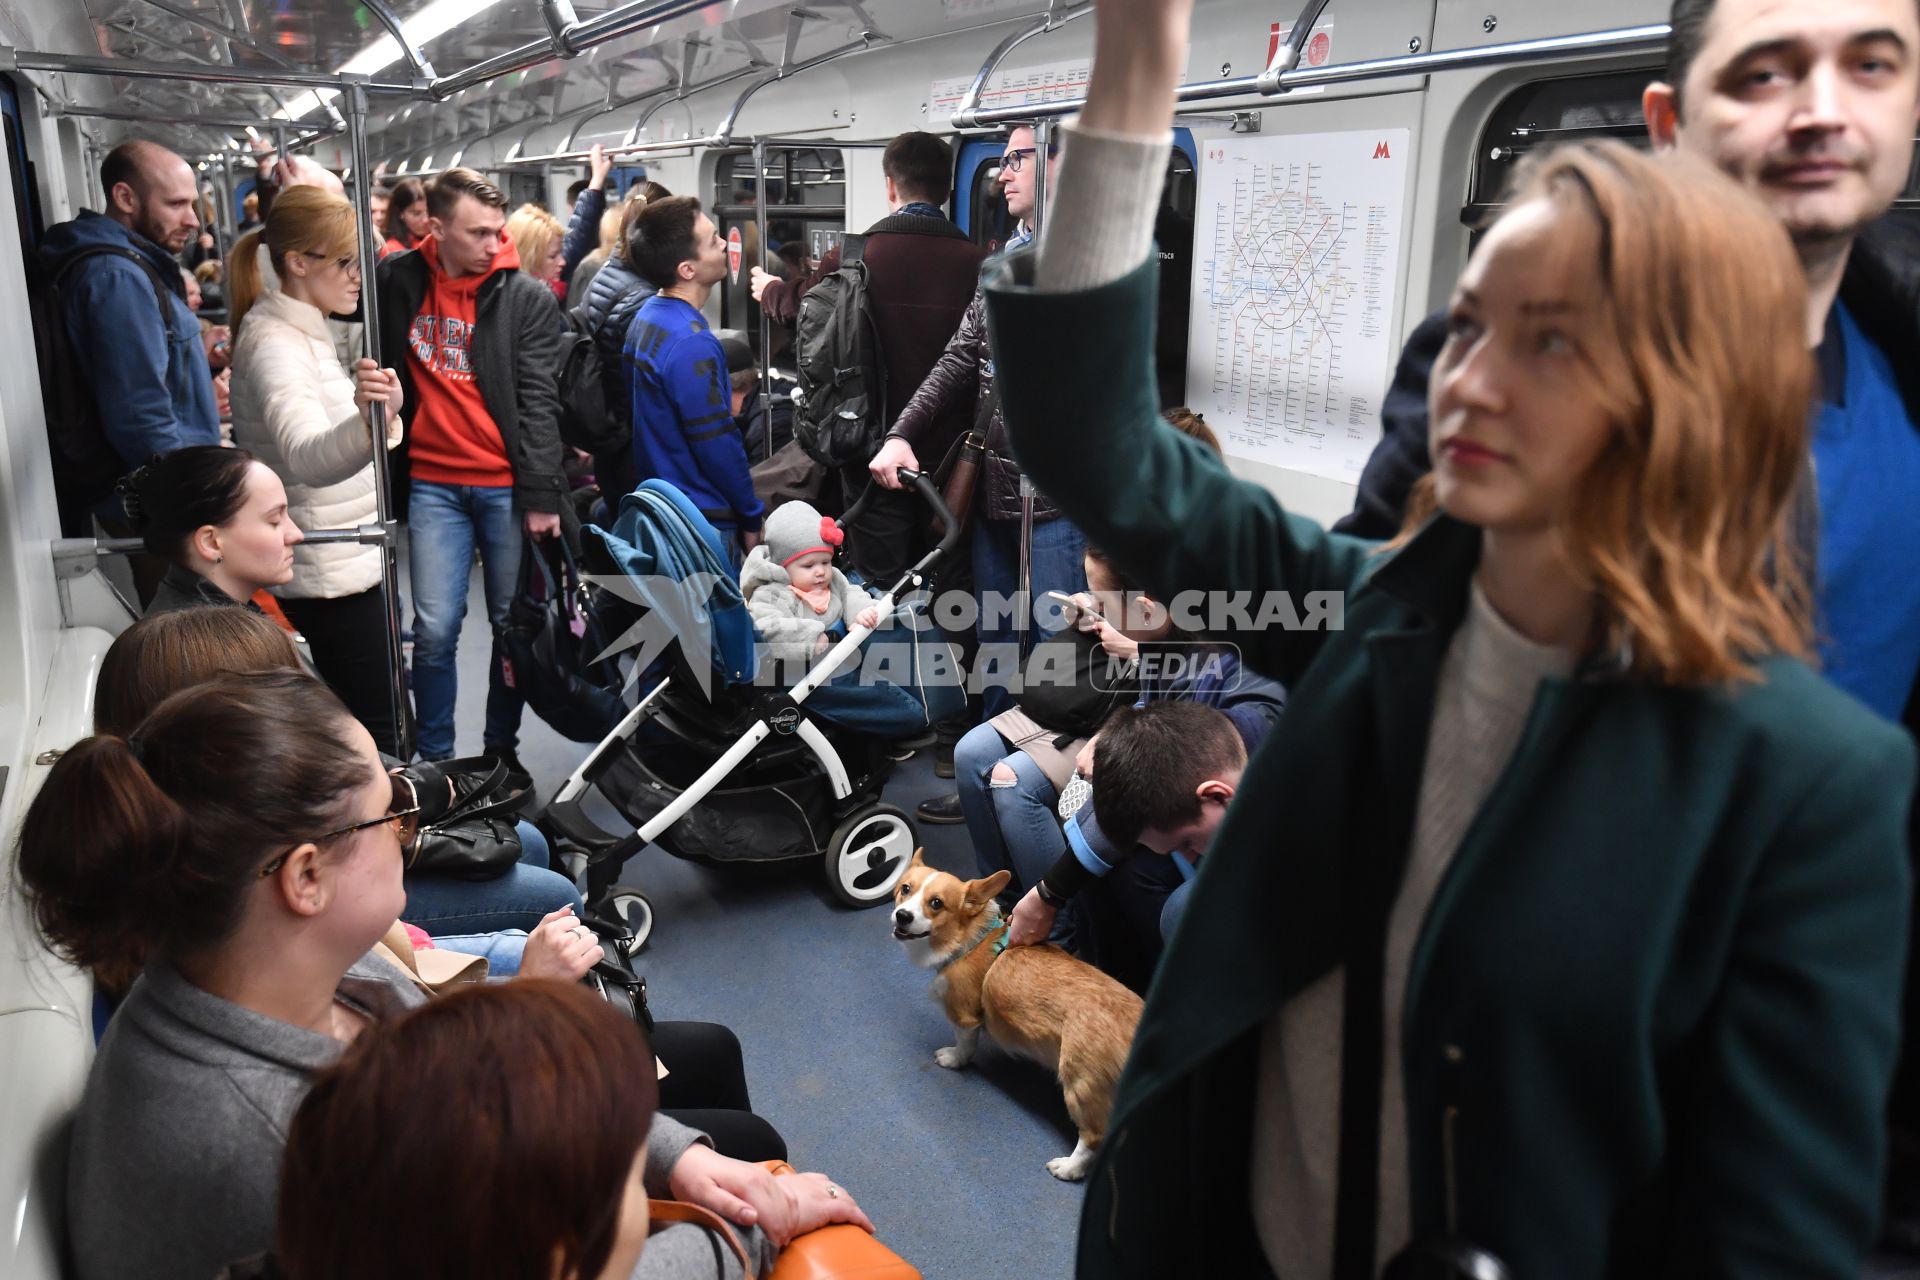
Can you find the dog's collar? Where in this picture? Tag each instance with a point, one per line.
(1004, 926)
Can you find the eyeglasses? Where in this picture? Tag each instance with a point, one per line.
(403, 812)
(1014, 159)
(348, 265)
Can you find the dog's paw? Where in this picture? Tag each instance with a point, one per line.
(1071, 1168)
(952, 1057)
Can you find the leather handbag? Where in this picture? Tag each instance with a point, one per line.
(467, 819)
(963, 477)
(838, 1252)
(553, 647)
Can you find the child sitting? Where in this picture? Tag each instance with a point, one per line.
(793, 591)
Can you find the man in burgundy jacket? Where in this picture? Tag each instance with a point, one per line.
(922, 270)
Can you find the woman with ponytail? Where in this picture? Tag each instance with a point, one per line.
(244, 843)
(306, 418)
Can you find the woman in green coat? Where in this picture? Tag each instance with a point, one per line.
(1564, 912)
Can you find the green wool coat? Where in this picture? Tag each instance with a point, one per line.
(1657, 992)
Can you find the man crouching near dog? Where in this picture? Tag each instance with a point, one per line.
(1162, 777)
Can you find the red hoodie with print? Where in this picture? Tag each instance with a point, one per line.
(455, 439)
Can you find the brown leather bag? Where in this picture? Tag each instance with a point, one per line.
(963, 476)
(838, 1252)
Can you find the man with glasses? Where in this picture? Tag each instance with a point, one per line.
(963, 375)
(481, 341)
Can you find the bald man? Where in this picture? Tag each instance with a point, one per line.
(125, 306)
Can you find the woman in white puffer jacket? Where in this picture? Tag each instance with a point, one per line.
(304, 415)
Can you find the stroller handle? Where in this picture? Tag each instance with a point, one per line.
(924, 486)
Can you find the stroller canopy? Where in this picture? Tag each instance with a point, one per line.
(669, 561)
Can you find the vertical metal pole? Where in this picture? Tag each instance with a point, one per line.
(227, 223)
(356, 103)
(766, 325)
(1042, 143)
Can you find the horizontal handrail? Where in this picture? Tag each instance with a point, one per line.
(1645, 39)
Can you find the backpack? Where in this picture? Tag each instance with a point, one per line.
(584, 421)
(842, 409)
(86, 466)
(551, 641)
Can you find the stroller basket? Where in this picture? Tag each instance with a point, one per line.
(755, 820)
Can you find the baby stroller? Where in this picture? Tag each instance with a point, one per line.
(720, 770)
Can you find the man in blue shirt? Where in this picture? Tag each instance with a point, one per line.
(683, 430)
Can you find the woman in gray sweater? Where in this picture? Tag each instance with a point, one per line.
(247, 837)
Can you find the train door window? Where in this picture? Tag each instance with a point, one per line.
(985, 218)
(806, 213)
(26, 187)
(524, 187)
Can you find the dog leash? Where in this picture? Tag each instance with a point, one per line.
(1004, 926)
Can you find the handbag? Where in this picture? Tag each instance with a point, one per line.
(963, 477)
(467, 819)
(838, 1252)
(551, 649)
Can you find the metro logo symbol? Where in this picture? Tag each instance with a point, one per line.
(1380, 151)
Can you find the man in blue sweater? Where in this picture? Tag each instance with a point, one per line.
(683, 429)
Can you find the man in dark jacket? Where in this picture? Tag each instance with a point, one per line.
(589, 202)
(606, 307)
(482, 356)
(922, 271)
(147, 368)
(1744, 89)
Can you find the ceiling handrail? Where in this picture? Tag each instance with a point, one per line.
(969, 108)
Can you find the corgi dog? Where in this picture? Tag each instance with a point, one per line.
(1037, 1001)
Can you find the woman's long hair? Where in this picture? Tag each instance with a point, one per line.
(1682, 525)
(405, 194)
(302, 220)
(534, 232)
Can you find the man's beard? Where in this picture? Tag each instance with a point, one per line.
(158, 234)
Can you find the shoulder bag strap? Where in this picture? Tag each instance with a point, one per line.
(666, 1212)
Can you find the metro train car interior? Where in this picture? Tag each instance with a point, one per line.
(781, 842)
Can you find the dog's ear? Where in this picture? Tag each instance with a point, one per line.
(918, 861)
(979, 892)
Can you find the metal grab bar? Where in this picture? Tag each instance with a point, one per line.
(198, 73)
(969, 109)
(1647, 39)
(369, 535)
(577, 36)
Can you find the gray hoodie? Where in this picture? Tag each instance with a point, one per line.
(175, 1164)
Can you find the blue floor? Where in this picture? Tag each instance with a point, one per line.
(839, 1036)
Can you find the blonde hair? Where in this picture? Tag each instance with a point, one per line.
(1682, 525)
(534, 232)
(303, 220)
(208, 272)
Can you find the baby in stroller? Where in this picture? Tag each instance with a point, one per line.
(794, 594)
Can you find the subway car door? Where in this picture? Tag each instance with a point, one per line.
(981, 212)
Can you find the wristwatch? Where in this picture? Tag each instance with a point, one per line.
(1048, 896)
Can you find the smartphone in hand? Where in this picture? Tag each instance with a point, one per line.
(1069, 609)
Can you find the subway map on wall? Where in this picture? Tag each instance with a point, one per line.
(1295, 280)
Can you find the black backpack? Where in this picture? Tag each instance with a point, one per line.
(584, 421)
(842, 410)
(85, 464)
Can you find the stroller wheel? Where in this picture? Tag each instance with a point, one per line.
(630, 908)
(868, 854)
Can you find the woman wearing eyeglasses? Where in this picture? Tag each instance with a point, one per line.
(305, 416)
(244, 841)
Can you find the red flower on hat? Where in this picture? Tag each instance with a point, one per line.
(831, 533)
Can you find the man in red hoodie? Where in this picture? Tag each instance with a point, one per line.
(482, 353)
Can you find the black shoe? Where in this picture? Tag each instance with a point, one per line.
(944, 812)
(943, 761)
(518, 779)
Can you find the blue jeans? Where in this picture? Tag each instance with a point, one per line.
(443, 905)
(502, 950)
(1059, 564)
(446, 523)
(1013, 824)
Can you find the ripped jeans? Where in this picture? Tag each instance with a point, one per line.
(1011, 821)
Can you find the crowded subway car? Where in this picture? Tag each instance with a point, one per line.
(1127, 638)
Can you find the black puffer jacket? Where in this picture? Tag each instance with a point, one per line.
(613, 297)
(966, 368)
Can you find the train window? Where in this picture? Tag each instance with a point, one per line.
(26, 190)
(528, 187)
(1578, 107)
(806, 212)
